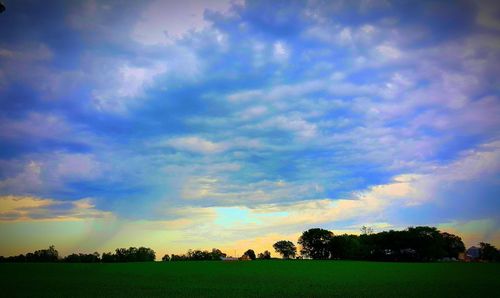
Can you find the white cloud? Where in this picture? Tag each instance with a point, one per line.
(129, 85)
(280, 51)
(165, 21)
(253, 112)
(290, 93)
(339, 36)
(198, 188)
(388, 52)
(345, 36)
(196, 145)
(300, 127)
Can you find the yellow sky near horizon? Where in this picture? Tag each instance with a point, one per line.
(103, 235)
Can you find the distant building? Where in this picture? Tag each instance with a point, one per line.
(473, 253)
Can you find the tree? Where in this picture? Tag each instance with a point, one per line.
(122, 255)
(178, 257)
(285, 248)
(426, 241)
(82, 258)
(266, 255)
(93, 258)
(145, 254)
(43, 255)
(131, 254)
(108, 257)
(366, 230)
(315, 243)
(165, 258)
(488, 252)
(250, 253)
(199, 255)
(345, 247)
(453, 245)
(216, 254)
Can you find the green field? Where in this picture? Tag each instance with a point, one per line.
(251, 279)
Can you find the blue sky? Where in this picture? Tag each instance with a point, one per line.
(235, 124)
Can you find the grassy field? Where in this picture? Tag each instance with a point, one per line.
(252, 279)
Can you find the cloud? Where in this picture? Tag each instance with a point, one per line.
(31, 52)
(36, 126)
(25, 208)
(131, 83)
(388, 52)
(280, 51)
(80, 165)
(49, 173)
(195, 144)
(331, 113)
(474, 231)
(372, 205)
(28, 180)
(486, 15)
(154, 28)
(300, 127)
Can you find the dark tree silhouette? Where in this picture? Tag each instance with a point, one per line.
(366, 230)
(345, 247)
(108, 257)
(413, 244)
(427, 242)
(165, 258)
(131, 254)
(2, 7)
(82, 258)
(250, 253)
(174, 257)
(285, 248)
(145, 254)
(453, 245)
(199, 255)
(488, 252)
(266, 255)
(216, 254)
(43, 255)
(316, 243)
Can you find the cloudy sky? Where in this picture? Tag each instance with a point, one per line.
(232, 124)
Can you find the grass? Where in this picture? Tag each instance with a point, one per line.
(251, 279)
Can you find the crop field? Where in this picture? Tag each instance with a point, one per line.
(251, 279)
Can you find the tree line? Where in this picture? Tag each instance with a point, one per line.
(214, 255)
(131, 254)
(412, 244)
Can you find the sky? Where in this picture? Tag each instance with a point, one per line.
(235, 124)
